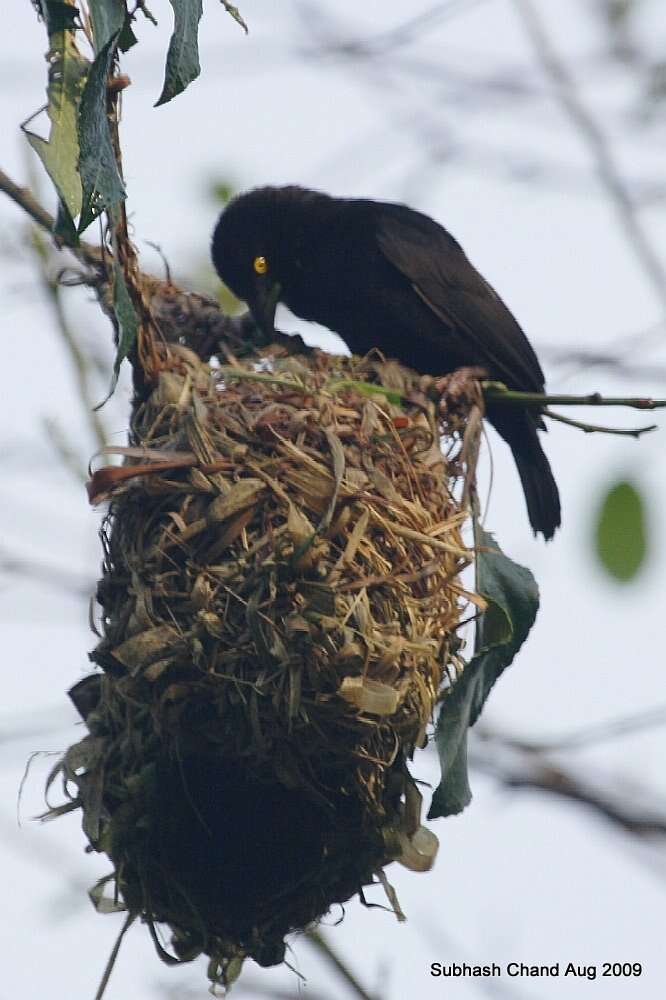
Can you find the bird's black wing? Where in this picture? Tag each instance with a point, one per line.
(436, 265)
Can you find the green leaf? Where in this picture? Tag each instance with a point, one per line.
(102, 185)
(620, 536)
(60, 153)
(127, 38)
(128, 321)
(126, 317)
(108, 18)
(221, 191)
(182, 62)
(64, 227)
(513, 601)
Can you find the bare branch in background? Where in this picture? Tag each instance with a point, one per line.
(39, 852)
(447, 948)
(26, 200)
(402, 34)
(624, 725)
(618, 355)
(321, 945)
(64, 449)
(78, 357)
(588, 127)
(450, 83)
(53, 576)
(543, 777)
(520, 765)
(582, 360)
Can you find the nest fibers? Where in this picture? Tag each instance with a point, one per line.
(280, 597)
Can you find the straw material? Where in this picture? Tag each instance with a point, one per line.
(280, 597)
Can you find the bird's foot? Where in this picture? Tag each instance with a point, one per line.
(458, 393)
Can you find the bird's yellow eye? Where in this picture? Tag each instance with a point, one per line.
(260, 265)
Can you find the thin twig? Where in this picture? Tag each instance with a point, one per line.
(387, 41)
(607, 170)
(61, 578)
(77, 356)
(516, 768)
(634, 432)
(64, 449)
(129, 920)
(324, 948)
(25, 199)
(496, 392)
(581, 738)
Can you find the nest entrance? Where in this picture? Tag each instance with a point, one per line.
(280, 599)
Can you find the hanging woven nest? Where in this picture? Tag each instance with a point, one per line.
(280, 597)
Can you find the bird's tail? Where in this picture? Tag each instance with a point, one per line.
(541, 493)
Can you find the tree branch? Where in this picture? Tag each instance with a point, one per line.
(497, 392)
(607, 170)
(517, 764)
(182, 316)
(580, 738)
(25, 199)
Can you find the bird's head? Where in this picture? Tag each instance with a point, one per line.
(266, 246)
(246, 251)
(243, 254)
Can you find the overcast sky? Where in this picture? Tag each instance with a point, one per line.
(519, 877)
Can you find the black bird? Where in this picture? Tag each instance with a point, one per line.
(382, 275)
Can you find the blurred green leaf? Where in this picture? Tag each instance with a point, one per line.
(620, 535)
(128, 326)
(102, 184)
(60, 153)
(618, 12)
(126, 316)
(221, 190)
(226, 299)
(513, 602)
(182, 62)
(108, 18)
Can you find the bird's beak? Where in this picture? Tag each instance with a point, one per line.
(263, 305)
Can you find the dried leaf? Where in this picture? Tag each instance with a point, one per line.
(370, 696)
(146, 647)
